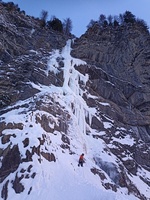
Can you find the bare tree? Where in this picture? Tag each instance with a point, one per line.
(67, 26)
(44, 16)
(121, 19)
(116, 21)
(110, 19)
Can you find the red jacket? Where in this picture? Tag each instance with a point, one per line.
(81, 158)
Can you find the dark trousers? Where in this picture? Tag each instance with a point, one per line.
(80, 163)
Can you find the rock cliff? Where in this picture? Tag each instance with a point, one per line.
(118, 67)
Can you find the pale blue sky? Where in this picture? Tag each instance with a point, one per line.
(82, 11)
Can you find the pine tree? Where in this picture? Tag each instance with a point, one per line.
(129, 17)
(91, 23)
(102, 20)
(55, 24)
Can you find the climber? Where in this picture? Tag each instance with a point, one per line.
(81, 160)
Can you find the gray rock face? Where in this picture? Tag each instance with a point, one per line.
(24, 49)
(118, 67)
(21, 33)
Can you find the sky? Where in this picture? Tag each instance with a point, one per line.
(82, 11)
